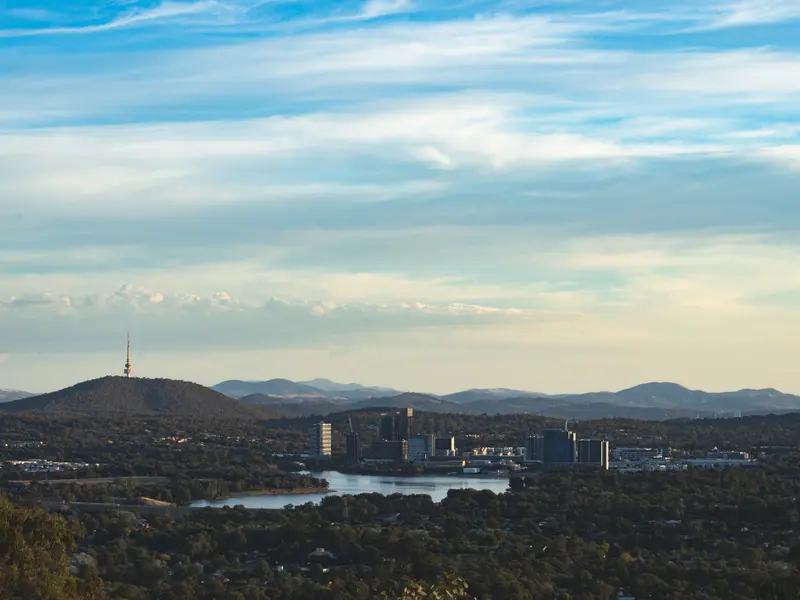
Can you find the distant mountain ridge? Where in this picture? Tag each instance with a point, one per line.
(423, 402)
(282, 397)
(9, 395)
(326, 385)
(305, 389)
(273, 387)
(656, 400)
(651, 401)
(473, 395)
(122, 395)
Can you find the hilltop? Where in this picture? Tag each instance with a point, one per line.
(121, 395)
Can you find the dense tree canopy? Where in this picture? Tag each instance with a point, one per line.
(34, 552)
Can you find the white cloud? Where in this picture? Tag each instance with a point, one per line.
(760, 74)
(546, 55)
(85, 323)
(433, 156)
(742, 13)
(552, 274)
(137, 299)
(171, 165)
(788, 154)
(162, 11)
(380, 8)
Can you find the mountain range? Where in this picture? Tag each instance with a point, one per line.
(316, 388)
(282, 397)
(651, 401)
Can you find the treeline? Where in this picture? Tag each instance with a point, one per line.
(180, 490)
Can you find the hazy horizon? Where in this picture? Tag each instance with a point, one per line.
(561, 197)
(397, 385)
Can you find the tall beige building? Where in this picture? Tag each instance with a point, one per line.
(319, 437)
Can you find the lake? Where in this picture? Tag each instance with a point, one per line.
(435, 486)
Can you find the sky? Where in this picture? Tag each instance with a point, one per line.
(556, 196)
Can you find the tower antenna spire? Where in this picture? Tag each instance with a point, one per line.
(128, 367)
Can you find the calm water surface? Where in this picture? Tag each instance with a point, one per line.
(435, 486)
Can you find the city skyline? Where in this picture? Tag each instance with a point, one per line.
(560, 197)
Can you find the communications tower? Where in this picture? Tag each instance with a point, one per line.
(128, 368)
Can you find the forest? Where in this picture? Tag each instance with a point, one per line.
(698, 535)
(727, 535)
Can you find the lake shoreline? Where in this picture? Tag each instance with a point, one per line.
(282, 492)
(436, 487)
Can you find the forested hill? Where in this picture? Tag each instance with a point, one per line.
(121, 395)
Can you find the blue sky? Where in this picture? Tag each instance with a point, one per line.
(561, 196)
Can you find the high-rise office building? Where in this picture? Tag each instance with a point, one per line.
(353, 447)
(405, 424)
(559, 446)
(396, 450)
(534, 449)
(319, 437)
(387, 428)
(396, 425)
(421, 447)
(593, 452)
(552, 447)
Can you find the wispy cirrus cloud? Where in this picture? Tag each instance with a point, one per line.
(380, 8)
(163, 11)
(743, 13)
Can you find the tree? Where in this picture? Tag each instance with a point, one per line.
(452, 588)
(34, 554)
(794, 556)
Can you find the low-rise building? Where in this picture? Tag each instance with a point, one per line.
(421, 447)
(717, 463)
(445, 446)
(728, 454)
(636, 454)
